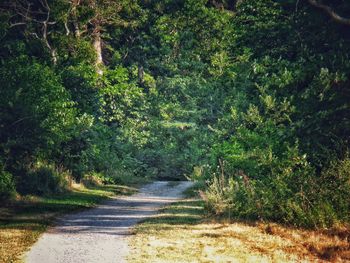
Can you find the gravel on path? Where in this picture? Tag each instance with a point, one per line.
(100, 234)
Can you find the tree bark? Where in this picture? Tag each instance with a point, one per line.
(75, 4)
(97, 43)
(140, 74)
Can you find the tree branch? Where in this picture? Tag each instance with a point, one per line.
(66, 27)
(330, 11)
(17, 24)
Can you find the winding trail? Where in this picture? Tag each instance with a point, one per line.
(100, 234)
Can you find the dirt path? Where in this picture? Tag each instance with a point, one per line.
(100, 234)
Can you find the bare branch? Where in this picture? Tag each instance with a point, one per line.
(66, 27)
(35, 35)
(17, 24)
(330, 11)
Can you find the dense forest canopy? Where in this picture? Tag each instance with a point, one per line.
(250, 96)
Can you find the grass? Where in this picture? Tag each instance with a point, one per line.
(22, 221)
(183, 232)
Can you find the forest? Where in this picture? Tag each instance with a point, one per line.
(251, 98)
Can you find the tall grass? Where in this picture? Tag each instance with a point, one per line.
(305, 200)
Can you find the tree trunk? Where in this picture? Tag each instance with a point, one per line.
(76, 29)
(140, 74)
(75, 18)
(98, 49)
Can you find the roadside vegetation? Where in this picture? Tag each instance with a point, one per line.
(249, 97)
(185, 232)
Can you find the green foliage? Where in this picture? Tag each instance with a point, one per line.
(36, 111)
(283, 132)
(249, 96)
(331, 194)
(7, 186)
(297, 197)
(43, 179)
(82, 83)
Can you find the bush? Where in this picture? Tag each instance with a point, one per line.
(36, 113)
(331, 194)
(7, 186)
(43, 180)
(93, 179)
(299, 198)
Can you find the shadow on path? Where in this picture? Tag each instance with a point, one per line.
(98, 234)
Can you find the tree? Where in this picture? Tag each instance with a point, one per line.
(34, 17)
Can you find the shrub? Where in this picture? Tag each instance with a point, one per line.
(7, 186)
(299, 198)
(42, 180)
(92, 179)
(36, 113)
(331, 194)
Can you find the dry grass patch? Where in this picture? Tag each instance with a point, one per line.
(13, 242)
(329, 245)
(182, 233)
